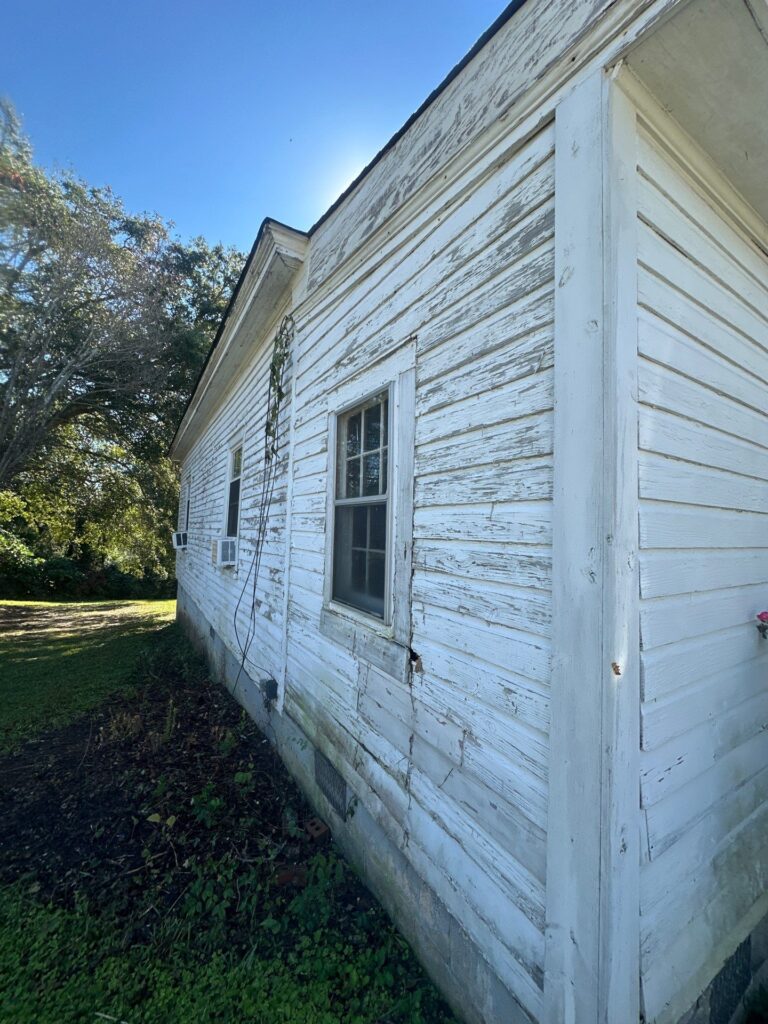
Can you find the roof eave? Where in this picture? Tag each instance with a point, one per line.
(271, 266)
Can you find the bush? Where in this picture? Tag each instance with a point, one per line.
(32, 564)
(62, 577)
(20, 570)
(22, 575)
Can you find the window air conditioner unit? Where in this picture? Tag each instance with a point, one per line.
(227, 551)
(179, 539)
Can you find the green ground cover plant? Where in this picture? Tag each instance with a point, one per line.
(155, 866)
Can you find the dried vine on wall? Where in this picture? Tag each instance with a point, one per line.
(272, 442)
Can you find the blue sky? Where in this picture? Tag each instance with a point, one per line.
(217, 114)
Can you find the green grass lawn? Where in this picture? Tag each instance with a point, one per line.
(58, 659)
(155, 859)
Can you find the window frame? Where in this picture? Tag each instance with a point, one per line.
(182, 519)
(187, 504)
(365, 500)
(231, 478)
(383, 643)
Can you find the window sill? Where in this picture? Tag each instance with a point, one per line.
(367, 639)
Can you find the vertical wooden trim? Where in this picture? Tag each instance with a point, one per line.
(619, 983)
(330, 509)
(287, 528)
(404, 434)
(573, 824)
(592, 933)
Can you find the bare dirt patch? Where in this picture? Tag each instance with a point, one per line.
(156, 863)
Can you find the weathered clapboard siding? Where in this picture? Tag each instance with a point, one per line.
(512, 63)
(239, 419)
(437, 272)
(473, 285)
(703, 486)
(452, 763)
(468, 734)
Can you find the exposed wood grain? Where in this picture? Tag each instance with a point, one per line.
(502, 605)
(496, 564)
(502, 481)
(531, 435)
(520, 53)
(518, 652)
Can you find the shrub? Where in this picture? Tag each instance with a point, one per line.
(63, 577)
(20, 570)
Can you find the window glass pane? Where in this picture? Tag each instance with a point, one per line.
(373, 428)
(233, 508)
(237, 462)
(376, 580)
(358, 573)
(371, 473)
(360, 530)
(378, 523)
(360, 526)
(353, 434)
(352, 484)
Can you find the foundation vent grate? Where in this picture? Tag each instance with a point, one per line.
(331, 784)
(730, 985)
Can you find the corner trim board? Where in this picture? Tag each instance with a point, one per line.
(592, 950)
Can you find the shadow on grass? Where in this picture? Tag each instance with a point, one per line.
(30, 620)
(47, 676)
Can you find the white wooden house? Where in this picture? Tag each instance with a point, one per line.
(493, 596)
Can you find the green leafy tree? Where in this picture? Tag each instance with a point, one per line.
(82, 297)
(105, 320)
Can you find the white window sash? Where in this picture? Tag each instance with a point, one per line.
(231, 478)
(398, 374)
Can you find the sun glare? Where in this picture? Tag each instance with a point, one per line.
(337, 176)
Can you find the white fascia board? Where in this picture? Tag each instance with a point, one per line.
(272, 268)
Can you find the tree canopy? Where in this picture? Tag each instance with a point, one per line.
(105, 320)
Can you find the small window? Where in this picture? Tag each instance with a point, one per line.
(233, 493)
(186, 507)
(360, 551)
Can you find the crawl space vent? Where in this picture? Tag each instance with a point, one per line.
(331, 784)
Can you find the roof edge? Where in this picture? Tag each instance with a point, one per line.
(455, 71)
(489, 33)
(258, 247)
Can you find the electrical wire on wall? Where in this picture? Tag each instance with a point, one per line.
(275, 396)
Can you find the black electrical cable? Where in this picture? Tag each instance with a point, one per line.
(275, 396)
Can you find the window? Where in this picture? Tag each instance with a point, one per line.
(186, 508)
(369, 509)
(360, 548)
(233, 493)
